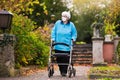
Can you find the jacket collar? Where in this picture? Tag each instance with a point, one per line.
(63, 23)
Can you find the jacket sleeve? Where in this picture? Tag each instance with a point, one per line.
(74, 33)
(53, 33)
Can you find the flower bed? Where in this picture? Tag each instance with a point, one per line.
(105, 72)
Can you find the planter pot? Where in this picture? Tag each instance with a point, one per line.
(108, 38)
(108, 51)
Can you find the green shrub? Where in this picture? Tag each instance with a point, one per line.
(44, 34)
(29, 49)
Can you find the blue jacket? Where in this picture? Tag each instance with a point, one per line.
(63, 33)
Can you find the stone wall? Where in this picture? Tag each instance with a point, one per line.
(7, 55)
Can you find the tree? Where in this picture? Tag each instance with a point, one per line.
(86, 11)
(34, 9)
(18, 6)
(55, 7)
(114, 16)
(50, 7)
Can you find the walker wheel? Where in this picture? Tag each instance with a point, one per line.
(74, 72)
(50, 72)
(69, 72)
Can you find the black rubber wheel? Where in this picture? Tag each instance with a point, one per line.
(74, 72)
(69, 72)
(52, 72)
(49, 73)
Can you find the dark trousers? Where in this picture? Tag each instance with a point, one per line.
(63, 59)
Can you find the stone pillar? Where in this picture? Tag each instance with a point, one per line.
(6, 55)
(97, 50)
(116, 41)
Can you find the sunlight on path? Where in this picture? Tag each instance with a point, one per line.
(81, 74)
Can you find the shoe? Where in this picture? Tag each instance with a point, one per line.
(63, 74)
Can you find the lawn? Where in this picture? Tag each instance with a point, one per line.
(105, 72)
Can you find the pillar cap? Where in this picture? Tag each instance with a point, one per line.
(116, 38)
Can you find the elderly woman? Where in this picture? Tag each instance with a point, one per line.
(64, 31)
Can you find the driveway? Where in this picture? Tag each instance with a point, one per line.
(81, 74)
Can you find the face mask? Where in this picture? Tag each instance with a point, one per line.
(64, 19)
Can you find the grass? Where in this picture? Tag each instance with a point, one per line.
(108, 71)
(108, 79)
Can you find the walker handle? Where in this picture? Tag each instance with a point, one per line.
(59, 43)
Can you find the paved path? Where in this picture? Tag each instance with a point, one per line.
(81, 74)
